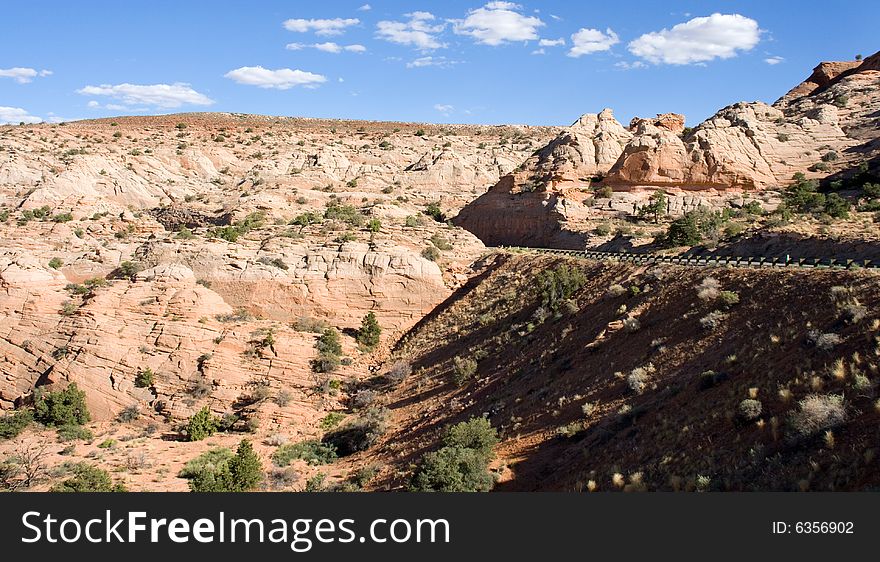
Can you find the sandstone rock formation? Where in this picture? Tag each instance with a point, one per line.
(818, 127)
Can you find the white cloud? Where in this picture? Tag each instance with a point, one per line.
(16, 115)
(774, 60)
(23, 75)
(698, 40)
(419, 31)
(365, 8)
(93, 103)
(497, 23)
(443, 107)
(586, 41)
(623, 65)
(441, 62)
(281, 79)
(551, 42)
(539, 52)
(165, 96)
(334, 26)
(328, 47)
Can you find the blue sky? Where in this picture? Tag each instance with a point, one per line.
(454, 61)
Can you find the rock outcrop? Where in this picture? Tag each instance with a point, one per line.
(816, 128)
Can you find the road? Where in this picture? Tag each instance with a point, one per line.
(703, 261)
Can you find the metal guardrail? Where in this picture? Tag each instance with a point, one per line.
(704, 261)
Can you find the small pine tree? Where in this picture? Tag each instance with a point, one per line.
(245, 469)
(368, 335)
(203, 424)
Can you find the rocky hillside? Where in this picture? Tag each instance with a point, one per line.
(598, 169)
(648, 378)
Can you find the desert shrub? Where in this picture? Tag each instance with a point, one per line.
(639, 378)
(631, 324)
(331, 420)
(708, 289)
(144, 378)
(604, 192)
(309, 324)
(602, 229)
(559, 284)
(615, 291)
(362, 399)
(283, 398)
(749, 409)
(854, 313)
(129, 414)
(692, 228)
(399, 371)
(55, 263)
(88, 478)
(713, 320)
(313, 452)
(440, 242)
(476, 433)
(305, 219)
(816, 413)
(220, 471)
(14, 423)
(344, 213)
(329, 342)
(374, 225)
(208, 460)
(823, 341)
(359, 434)
(728, 298)
(462, 464)
(61, 407)
(201, 425)
(708, 379)
(329, 352)
(72, 432)
(127, 270)
(463, 369)
(412, 221)
(369, 332)
(433, 211)
(274, 262)
(431, 253)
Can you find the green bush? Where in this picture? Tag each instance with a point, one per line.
(127, 270)
(431, 253)
(462, 464)
(203, 424)
(749, 409)
(71, 432)
(313, 452)
(145, 378)
(374, 225)
(220, 471)
(463, 369)
(440, 242)
(345, 213)
(329, 352)
(305, 219)
(559, 284)
(476, 433)
(359, 434)
(433, 210)
(55, 263)
(369, 332)
(14, 423)
(61, 407)
(88, 478)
